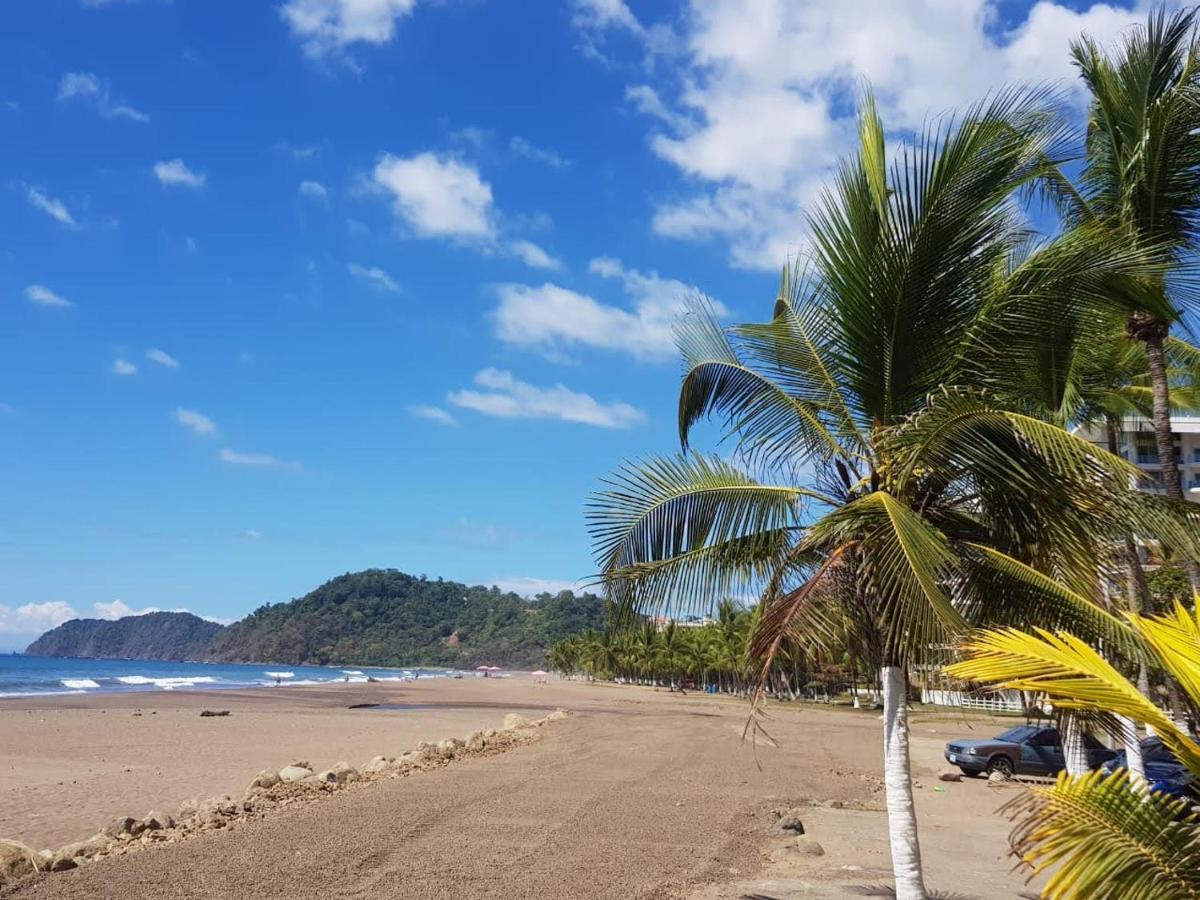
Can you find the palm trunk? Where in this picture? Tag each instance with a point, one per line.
(1074, 750)
(902, 819)
(1133, 752)
(1160, 392)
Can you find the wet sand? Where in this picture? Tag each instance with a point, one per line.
(642, 793)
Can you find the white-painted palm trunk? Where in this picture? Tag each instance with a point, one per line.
(1074, 751)
(1133, 752)
(902, 818)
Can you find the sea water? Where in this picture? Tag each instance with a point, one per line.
(26, 676)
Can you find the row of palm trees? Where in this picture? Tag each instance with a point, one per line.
(901, 468)
(711, 654)
(667, 653)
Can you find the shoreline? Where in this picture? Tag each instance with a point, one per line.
(39, 676)
(70, 762)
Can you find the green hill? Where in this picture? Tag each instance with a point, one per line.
(156, 635)
(383, 617)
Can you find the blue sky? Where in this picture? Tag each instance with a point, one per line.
(295, 288)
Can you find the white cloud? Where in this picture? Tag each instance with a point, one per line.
(755, 103)
(123, 367)
(438, 196)
(56, 209)
(43, 296)
(533, 255)
(162, 358)
(375, 275)
(176, 172)
(553, 318)
(260, 460)
(252, 534)
(505, 396)
(326, 27)
(88, 87)
(434, 414)
(35, 618)
(356, 227)
(313, 189)
(196, 421)
(594, 16)
(545, 155)
(531, 587)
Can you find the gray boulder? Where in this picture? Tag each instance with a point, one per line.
(294, 773)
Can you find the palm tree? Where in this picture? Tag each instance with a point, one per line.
(1105, 835)
(878, 475)
(1142, 179)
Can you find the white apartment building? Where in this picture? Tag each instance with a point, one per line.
(1137, 444)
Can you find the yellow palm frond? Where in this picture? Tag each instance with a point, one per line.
(1072, 674)
(1175, 639)
(1108, 839)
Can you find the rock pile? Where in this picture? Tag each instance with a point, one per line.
(268, 790)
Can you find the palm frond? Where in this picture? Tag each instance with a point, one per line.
(1107, 839)
(683, 529)
(1072, 674)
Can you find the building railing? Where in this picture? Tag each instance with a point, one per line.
(992, 701)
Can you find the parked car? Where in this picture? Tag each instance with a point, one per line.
(1164, 771)
(1023, 750)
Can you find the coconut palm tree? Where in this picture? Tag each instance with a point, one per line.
(1102, 835)
(878, 475)
(1142, 179)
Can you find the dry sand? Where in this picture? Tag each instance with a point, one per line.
(642, 793)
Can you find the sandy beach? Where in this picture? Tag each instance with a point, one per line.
(640, 793)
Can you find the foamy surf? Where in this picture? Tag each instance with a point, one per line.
(79, 683)
(166, 683)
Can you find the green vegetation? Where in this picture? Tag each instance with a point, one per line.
(898, 468)
(380, 617)
(1168, 585)
(383, 617)
(157, 635)
(707, 653)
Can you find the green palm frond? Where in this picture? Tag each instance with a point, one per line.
(1006, 591)
(1107, 840)
(683, 529)
(769, 420)
(907, 564)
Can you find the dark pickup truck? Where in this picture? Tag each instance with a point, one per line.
(1023, 750)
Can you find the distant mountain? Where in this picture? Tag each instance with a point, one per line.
(157, 635)
(379, 617)
(383, 617)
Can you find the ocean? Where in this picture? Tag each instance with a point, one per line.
(33, 676)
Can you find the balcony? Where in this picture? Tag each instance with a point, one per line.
(1147, 458)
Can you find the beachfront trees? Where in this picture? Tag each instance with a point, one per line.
(884, 474)
(1103, 835)
(1142, 179)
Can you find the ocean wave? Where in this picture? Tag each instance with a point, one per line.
(352, 672)
(280, 674)
(78, 683)
(39, 693)
(304, 681)
(167, 683)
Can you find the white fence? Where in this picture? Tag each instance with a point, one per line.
(992, 701)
